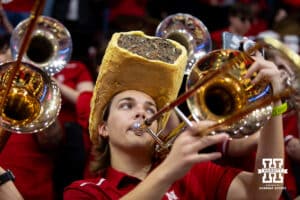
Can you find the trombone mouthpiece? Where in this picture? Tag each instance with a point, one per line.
(136, 125)
(140, 126)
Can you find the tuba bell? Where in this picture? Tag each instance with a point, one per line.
(188, 31)
(50, 46)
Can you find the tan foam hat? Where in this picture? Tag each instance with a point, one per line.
(123, 70)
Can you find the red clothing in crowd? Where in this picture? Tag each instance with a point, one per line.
(216, 37)
(31, 166)
(72, 74)
(19, 5)
(290, 127)
(203, 181)
(295, 3)
(290, 121)
(257, 26)
(83, 111)
(135, 8)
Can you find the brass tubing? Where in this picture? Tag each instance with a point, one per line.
(224, 67)
(239, 114)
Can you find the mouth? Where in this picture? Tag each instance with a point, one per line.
(135, 128)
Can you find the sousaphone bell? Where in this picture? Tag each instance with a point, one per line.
(190, 32)
(50, 45)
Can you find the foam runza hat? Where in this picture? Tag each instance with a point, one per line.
(135, 61)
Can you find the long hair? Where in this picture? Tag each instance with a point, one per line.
(100, 150)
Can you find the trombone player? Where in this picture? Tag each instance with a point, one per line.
(125, 161)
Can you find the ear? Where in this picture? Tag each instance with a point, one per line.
(102, 130)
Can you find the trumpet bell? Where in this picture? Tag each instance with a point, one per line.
(33, 101)
(50, 46)
(227, 93)
(190, 32)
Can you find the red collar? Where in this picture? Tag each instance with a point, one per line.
(119, 179)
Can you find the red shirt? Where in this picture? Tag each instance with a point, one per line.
(290, 121)
(83, 108)
(203, 181)
(83, 111)
(135, 8)
(290, 128)
(19, 5)
(216, 37)
(31, 166)
(72, 74)
(295, 3)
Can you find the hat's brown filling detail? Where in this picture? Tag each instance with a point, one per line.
(154, 49)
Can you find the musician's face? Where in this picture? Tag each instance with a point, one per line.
(127, 108)
(283, 65)
(240, 25)
(286, 73)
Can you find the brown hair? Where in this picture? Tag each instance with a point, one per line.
(100, 150)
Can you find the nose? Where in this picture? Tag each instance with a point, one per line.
(140, 113)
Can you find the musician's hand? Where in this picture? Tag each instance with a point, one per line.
(185, 150)
(266, 71)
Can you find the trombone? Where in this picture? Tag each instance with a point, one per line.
(30, 100)
(243, 118)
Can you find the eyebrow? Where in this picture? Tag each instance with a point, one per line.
(151, 104)
(132, 99)
(126, 99)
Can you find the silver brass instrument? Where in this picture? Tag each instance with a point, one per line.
(218, 75)
(33, 101)
(50, 45)
(188, 31)
(30, 100)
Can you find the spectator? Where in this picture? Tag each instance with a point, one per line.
(74, 150)
(239, 22)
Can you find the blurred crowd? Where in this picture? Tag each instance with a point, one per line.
(91, 24)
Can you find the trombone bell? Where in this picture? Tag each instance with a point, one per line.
(33, 101)
(21, 107)
(227, 93)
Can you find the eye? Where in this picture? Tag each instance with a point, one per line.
(151, 110)
(125, 105)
